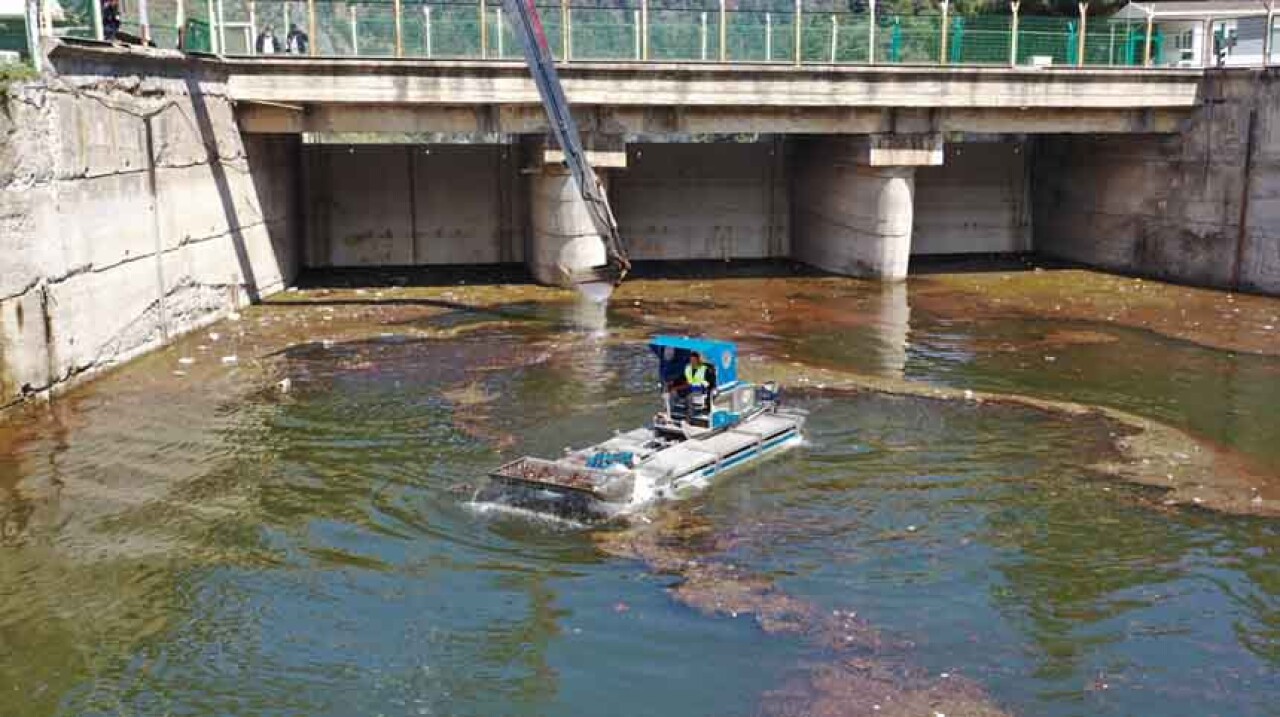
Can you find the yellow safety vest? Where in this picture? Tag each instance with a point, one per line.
(696, 378)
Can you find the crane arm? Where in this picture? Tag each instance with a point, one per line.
(537, 53)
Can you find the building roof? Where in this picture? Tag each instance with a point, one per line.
(1191, 9)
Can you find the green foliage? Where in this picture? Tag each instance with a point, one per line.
(11, 73)
(16, 72)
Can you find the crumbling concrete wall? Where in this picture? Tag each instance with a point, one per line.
(131, 211)
(1201, 207)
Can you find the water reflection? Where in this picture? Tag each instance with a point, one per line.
(893, 326)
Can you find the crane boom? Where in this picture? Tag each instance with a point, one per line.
(528, 27)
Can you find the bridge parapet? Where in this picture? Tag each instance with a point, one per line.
(467, 96)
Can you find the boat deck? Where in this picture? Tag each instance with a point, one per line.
(702, 453)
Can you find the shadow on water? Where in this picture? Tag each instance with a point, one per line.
(440, 276)
(414, 276)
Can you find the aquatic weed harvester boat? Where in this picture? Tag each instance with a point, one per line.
(697, 436)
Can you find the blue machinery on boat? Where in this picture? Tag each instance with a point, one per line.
(679, 453)
(537, 54)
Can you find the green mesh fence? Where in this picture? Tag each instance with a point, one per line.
(1045, 37)
(197, 36)
(757, 31)
(76, 20)
(682, 35)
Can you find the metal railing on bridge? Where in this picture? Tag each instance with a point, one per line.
(784, 31)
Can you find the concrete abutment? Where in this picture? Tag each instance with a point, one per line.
(133, 211)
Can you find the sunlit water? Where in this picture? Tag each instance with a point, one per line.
(206, 552)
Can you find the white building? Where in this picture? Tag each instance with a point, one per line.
(1185, 31)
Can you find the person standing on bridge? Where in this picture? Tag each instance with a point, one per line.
(297, 41)
(267, 43)
(110, 19)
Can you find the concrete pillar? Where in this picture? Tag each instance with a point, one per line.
(563, 241)
(856, 220)
(855, 202)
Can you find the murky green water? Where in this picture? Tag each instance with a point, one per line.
(201, 549)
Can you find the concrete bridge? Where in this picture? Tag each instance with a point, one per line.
(831, 176)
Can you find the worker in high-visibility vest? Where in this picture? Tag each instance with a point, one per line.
(695, 373)
(699, 378)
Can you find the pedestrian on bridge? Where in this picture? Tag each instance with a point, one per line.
(110, 19)
(267, 43)
(297, 41)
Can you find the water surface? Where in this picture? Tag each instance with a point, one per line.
(208, 543)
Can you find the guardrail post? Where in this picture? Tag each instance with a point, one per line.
(798, 16)
(426, 12)
(1146, 45)
(724, 32)
(871, 34)
(703, 54)
(355, 35)
(1266, 39)
(213, 35)
(222, 31)
(768, 37)
(946, 21)
(835, 36)
(98, 33)
(253, 27)
(34, 24)
(1206, 43)
(484, 30)
(1013, 34)
(399, 29)
(313, 41)
(644, 29)
(1084, 28)
(566, 30)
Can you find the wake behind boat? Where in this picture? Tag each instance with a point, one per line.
(711, 422)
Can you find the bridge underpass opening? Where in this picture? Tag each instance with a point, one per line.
(397, 203)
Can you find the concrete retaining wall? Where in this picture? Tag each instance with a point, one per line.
(976, 202)
(703, 201)
(131, 212)
(405, 205)
(1202, 207)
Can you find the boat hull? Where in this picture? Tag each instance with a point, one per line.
(643, 467)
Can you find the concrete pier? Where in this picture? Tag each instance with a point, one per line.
(563, 241)
(854, 216)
